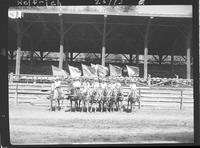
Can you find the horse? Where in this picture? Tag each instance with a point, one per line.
(112, 99)
(95, 98)
(76, 97)
(104, 99)
(55, 97)
(86, 97)
(133, 97)
(119, 99)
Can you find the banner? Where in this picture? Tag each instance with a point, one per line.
(88, 71)
(115, 70)
(95, 67)
(133, 71)
(74, 71)
(59, 72)
(102, 71)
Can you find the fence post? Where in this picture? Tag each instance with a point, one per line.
(149, 80)
(16, 94)
(181, 101)
(140, 97)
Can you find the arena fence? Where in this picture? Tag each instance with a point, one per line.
(161, 97)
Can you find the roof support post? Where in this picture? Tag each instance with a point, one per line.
(130, 58)
(104, 42)
(61, 42)
(71, 56)
(137, 57)
(172, 61)
(188, 55)
(19, 42)
(146, 47)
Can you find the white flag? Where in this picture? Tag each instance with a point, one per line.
(74, 71)
(59, 72)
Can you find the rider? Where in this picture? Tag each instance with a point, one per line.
(56, 92)
(133, 90)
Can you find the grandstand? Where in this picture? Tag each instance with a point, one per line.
(136, 32)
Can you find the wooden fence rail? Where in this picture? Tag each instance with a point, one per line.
(155, 97)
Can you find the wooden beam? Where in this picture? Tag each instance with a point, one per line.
(19, 42)
(163, 59)
(160, 58)
(26, 29)
(146, 48)
(96, 56)
(41, 55)
(188, 54)
(68, 29)
(97, 29)
(127, 57)
(76, 55)
(62, 35)
(71, 56)
(172, 61)
(107, 55)
(104, 41)
(137, 57)
(46, 54)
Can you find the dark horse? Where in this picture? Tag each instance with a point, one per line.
(133, 97)
(104, 99)
(76, 97)
(119, 99)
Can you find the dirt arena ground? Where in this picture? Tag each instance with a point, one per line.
(36, 125)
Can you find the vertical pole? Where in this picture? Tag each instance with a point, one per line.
(137, 58)
(172, 61)
(104, 42)
(16, 94)
(130, 58)
(41, 55)
(71, 56)
(61, 42)
(19, 41)
(188, 55)
(140, 97)
(188, 63)
(181, 101)
(160, 59)
(146, 48)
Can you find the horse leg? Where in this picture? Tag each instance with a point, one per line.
(139, 103)
(91, 107)
(79, 105)
(59, 108)
(71, 105)
(51, 107)
(95, 105)
(128, 105)
(131, 105)
(87, 106)
(102, 105)
(83, 105)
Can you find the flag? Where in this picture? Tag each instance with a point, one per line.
(132, 71)
(115, 70)
(59, 72)
(88, 71)
(102, 70)
(95, 67)
(74, 71)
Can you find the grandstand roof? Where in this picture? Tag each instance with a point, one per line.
(168, 30)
